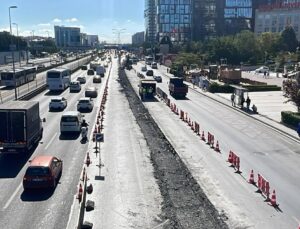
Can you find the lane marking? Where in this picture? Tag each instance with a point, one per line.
(52, 139)
(161, 225)
(12, 196)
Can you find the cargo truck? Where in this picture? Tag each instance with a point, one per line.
(147, 88)
(20, 126)
(177, 88)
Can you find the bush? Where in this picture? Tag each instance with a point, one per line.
(252, 88)
(290, 118)
(217, 88)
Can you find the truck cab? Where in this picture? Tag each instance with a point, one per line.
(147, 88)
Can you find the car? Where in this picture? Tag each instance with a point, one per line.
(144, 69)
(149, 73)
(58, 103)
(90, 72)
(97, 79)
(85, 103)
(91, 92)
(158, 79)
(105, 65)
(81, 79)
(40, 67)
(75, 86)
(84, 67)
(43, 171)
(262, 69)
(154, 65)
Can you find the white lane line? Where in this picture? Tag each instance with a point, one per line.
(52, 139)
(12, 196)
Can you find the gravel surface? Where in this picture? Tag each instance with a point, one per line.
(185, 205)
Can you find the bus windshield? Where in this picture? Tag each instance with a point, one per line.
(6, 76)
(53, 75)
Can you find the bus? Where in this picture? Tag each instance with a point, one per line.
(22, 76)
(149, 60)
(58, 79)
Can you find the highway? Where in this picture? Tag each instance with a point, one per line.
(260, 148)
(45, 209)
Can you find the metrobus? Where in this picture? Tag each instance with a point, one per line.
(58, 79)
(22, 76)
(149, 60)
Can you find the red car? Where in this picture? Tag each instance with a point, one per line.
(43, 172)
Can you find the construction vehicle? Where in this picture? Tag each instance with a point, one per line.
(229, 75)
(147, 88)
(177, 88)
(20, 125)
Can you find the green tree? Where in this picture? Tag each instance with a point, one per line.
(291, 90)
(5, 41)
(289, 40)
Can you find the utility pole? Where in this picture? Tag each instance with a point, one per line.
(18, 45)
(118, 33)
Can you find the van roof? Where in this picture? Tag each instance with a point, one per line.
(22, 105)
(71, 113)
(43, 161)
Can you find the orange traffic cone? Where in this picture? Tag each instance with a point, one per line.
(273, 199)
(192, 126)
(177, 112)
(189, 122)
(251, 179)
(230, 157)
(203, 136)
(88, 159)
(217, 148)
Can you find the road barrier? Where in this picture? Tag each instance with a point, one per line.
(263, 186)
(197, 128)
(234, 160)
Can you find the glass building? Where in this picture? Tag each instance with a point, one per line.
(174, 19)
(150, 21)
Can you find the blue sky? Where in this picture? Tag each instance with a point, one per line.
(92, 16)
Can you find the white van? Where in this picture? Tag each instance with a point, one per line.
(71, 122)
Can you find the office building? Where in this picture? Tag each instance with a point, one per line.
(92, 40)
(150, 21)
(67, 36)
(275, 17)
(138, 38)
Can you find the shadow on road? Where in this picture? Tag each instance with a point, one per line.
(12, 164)
(36, 195)
(70, 136)
(53, 93)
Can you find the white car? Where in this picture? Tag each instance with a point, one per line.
(81, 79)
(85, 103)
(75, 86)
(58, 103)
(262, 69)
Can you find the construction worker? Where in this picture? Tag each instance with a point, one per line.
(248, 101)
(150, 91)
(144, 93)
(232, 99)
(242, 102)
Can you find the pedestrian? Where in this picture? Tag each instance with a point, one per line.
(265, 73)
(232, 100)
(167, 70)
(254, 108)
(242, 102)
(268, 73)
(298, 130)
(248, 101)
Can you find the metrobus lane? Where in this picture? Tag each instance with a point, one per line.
(43, 209)
(260, 148)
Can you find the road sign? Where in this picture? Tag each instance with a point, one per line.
(99, 137)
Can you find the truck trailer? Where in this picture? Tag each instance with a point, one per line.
(20, 126)
(177, 88)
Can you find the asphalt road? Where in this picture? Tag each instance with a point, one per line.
(260, 148)
(45, 209)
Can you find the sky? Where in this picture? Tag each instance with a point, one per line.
(100, 17)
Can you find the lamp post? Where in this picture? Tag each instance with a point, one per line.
(12, 51)
(18, 45)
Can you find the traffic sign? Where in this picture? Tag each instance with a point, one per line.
(99, 137)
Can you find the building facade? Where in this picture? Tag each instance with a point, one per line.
(92, 40)
(67, 36)
(138, 38)
(150, 21)
(274, 18)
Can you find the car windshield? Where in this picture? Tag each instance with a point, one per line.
(84, 101)
(56, 100)
(69, 119)
(37, 171)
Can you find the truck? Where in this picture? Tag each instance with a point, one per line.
(100, 70)
(148, 85)
(177, 88)
(20, 126)
(229, 75)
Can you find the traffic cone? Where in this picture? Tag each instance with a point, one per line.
(217, 148)
(273, 199)
(177, 112)
(79, 195)
(192, 126)
(189, 122)
(251, 179)
(88, 159)
(203, 136)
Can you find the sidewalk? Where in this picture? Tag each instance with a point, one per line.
(267, 117)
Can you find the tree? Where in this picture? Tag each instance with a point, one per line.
(291, 90)
(5, 41)
(289, 40)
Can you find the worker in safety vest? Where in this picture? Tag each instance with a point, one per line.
(144, 92)
(150, 91)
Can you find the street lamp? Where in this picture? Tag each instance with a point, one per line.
(18, 45)
(12, 51)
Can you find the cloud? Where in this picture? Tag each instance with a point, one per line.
(44, 24)
(56, 20)
(71, 20)
(5, 29)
